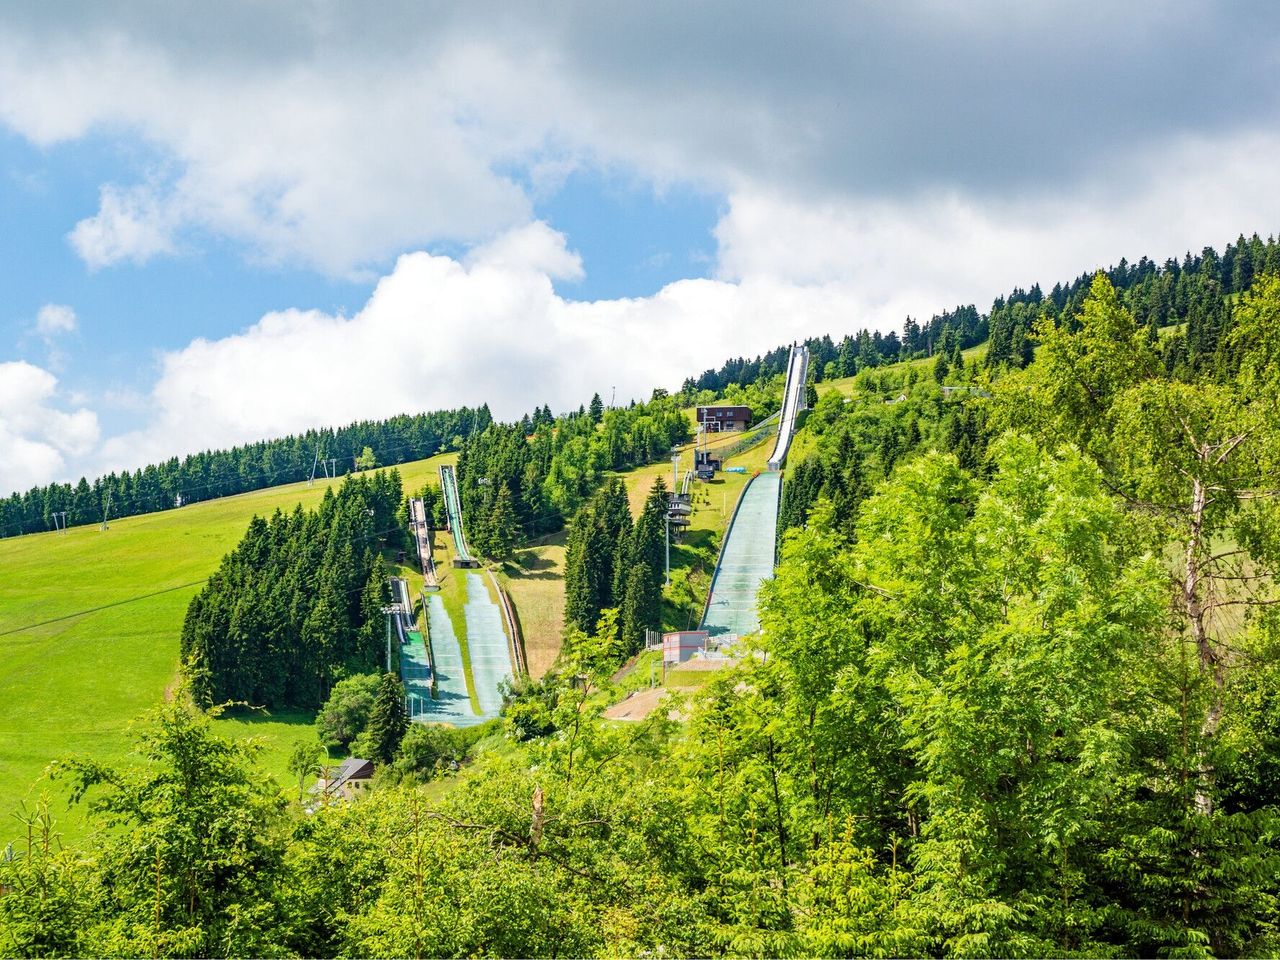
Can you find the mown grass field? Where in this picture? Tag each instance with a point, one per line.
(89, 628)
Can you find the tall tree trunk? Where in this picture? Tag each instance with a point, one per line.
(1211, 659)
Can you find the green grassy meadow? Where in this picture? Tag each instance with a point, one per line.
(89, 628)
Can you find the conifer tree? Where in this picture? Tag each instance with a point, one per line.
(641, 607)
(503, 529)
(388, 720)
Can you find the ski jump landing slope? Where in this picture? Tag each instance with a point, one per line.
(488, 650)
(746, 560)
(747, 557)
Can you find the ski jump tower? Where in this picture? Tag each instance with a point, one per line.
(792, 403)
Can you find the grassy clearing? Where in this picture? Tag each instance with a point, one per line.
(116, 600)
(534, 581)
(922, 367)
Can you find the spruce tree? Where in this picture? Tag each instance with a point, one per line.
(641, 607)
(503, 526)
(388, 720)
(649, 547)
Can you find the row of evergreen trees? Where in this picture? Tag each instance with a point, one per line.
(298, 603)
(611, 562)
(525, 479)
(1197, 291)
(858, 446)
(829, 359)
(223, 473)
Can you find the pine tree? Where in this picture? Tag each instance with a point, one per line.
(597, 408)
(940, 367)
(641, 607)
(503, 526)
(649, 539)
(388, 720)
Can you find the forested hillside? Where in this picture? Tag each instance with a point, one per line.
(1016, 692)
(223, 473)
(524, 479)
(298, 604)
(1197, 292)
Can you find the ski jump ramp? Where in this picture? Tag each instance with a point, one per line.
(750, 544)
(792, 404)
(453, 507)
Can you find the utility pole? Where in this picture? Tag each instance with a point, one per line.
(668, 583)
(63, 514)
(314, 463)
(106, 511)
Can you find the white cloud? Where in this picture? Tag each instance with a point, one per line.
(38, 437)
(921, 255)
(130, 225)
(439, 332)
(55, 318)
(336, 137)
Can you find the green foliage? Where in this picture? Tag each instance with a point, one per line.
(222, 473)
(194, 856)
(297, 602)
(388, 720)
(551, 466)
(345, 714)
(428, 750)
(47, 891)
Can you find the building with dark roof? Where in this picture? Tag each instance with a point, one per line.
(724, 418)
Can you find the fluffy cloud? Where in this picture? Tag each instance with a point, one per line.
(36, 435)
(440, 332)
(919, 256)
(325, 135)
(876, 160)
(54, 319)
(130, 225)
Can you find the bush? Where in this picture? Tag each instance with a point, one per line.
(346, 713)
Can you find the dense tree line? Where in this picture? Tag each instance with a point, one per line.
(612, 563)
(223, 473)
(297, 604)
(1197, 293)
(525, 479)
(860, 443)
(958, 329)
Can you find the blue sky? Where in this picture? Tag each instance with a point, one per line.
(218, 225)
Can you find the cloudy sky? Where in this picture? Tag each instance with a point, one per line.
(221, 222)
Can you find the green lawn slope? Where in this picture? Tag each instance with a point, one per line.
(89, 628)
